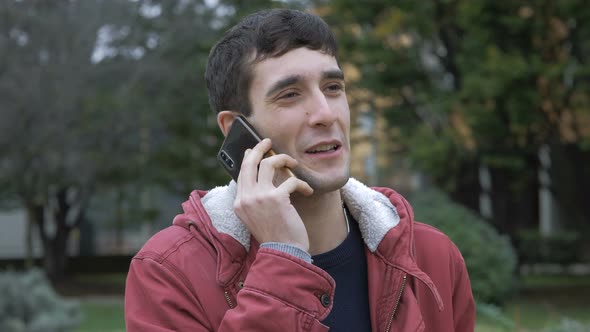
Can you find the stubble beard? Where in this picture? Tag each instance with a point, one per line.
(329, 183)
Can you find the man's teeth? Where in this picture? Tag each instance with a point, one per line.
(324, 148)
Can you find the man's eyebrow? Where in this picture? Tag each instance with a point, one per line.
(333, 74)
(290, 80)
(285, 82)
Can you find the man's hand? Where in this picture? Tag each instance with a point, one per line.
(266, 209)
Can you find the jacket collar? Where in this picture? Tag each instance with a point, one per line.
(373, 211)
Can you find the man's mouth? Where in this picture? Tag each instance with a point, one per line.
(323, 148)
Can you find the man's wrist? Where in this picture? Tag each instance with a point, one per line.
(289, 249)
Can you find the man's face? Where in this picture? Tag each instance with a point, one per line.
(298, 101)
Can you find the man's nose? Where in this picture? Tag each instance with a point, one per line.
(321, 113)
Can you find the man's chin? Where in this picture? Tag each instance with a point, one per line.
(326, 183)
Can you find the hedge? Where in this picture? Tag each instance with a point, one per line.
(490, 257)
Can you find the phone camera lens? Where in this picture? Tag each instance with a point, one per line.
(226, 159)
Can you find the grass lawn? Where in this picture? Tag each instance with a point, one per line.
(542, 301)
(102, 314)
(101, 300)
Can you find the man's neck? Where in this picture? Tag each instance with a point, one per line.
(324, 220)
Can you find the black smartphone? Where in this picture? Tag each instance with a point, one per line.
(241, 136)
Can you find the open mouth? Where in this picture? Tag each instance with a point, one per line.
(324, 148)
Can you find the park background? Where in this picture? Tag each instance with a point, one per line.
(478, 111)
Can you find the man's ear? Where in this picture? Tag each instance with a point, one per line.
(225, 120)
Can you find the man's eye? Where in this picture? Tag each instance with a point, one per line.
(288, 95)
(335, 87)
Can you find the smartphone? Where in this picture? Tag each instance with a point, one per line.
(241, 136)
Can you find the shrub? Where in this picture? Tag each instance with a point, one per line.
(494, 316)
(29, 304)
(490, 257)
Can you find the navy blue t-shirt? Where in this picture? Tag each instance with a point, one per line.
(347, 264)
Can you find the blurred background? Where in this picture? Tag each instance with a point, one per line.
(478, 111)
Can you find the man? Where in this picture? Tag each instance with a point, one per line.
(317, 252)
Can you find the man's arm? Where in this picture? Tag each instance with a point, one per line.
(280, 290)
(281, 293)
(463, 302)
(157, 299)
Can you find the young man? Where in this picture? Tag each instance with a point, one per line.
(317, 252)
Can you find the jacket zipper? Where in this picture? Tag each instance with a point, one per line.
(228, 299)
(399, 297)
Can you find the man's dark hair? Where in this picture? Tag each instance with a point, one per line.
(264, 34)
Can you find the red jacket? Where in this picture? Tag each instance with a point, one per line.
(206, 273)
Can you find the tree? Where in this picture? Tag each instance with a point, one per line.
(183, 137)
(102, 97)
(475, 85)
(56, 141)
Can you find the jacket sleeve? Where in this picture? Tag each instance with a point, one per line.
(280, 293)
(463, 302)
(157, 300)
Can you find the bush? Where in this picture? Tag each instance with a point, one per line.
(29, 304)
(490, 257)
(494, 316)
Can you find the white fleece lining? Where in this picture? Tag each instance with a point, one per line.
(219, 204)
(373, 211)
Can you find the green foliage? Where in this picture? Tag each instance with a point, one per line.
(65, 131)
(474, 83)
(442, 150)
(493, 315)
(559, 248)
(183, 136)
(490, 257)
(29, 304)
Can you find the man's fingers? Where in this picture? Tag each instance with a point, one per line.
(252, 157)
(270, 165)
(292, 185)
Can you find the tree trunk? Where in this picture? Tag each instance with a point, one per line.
(55, 245)
(54, 260)
(56, 252)
(29, 242)
(514, 195)
(35, 216)
(467, 184)
(119, 222)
